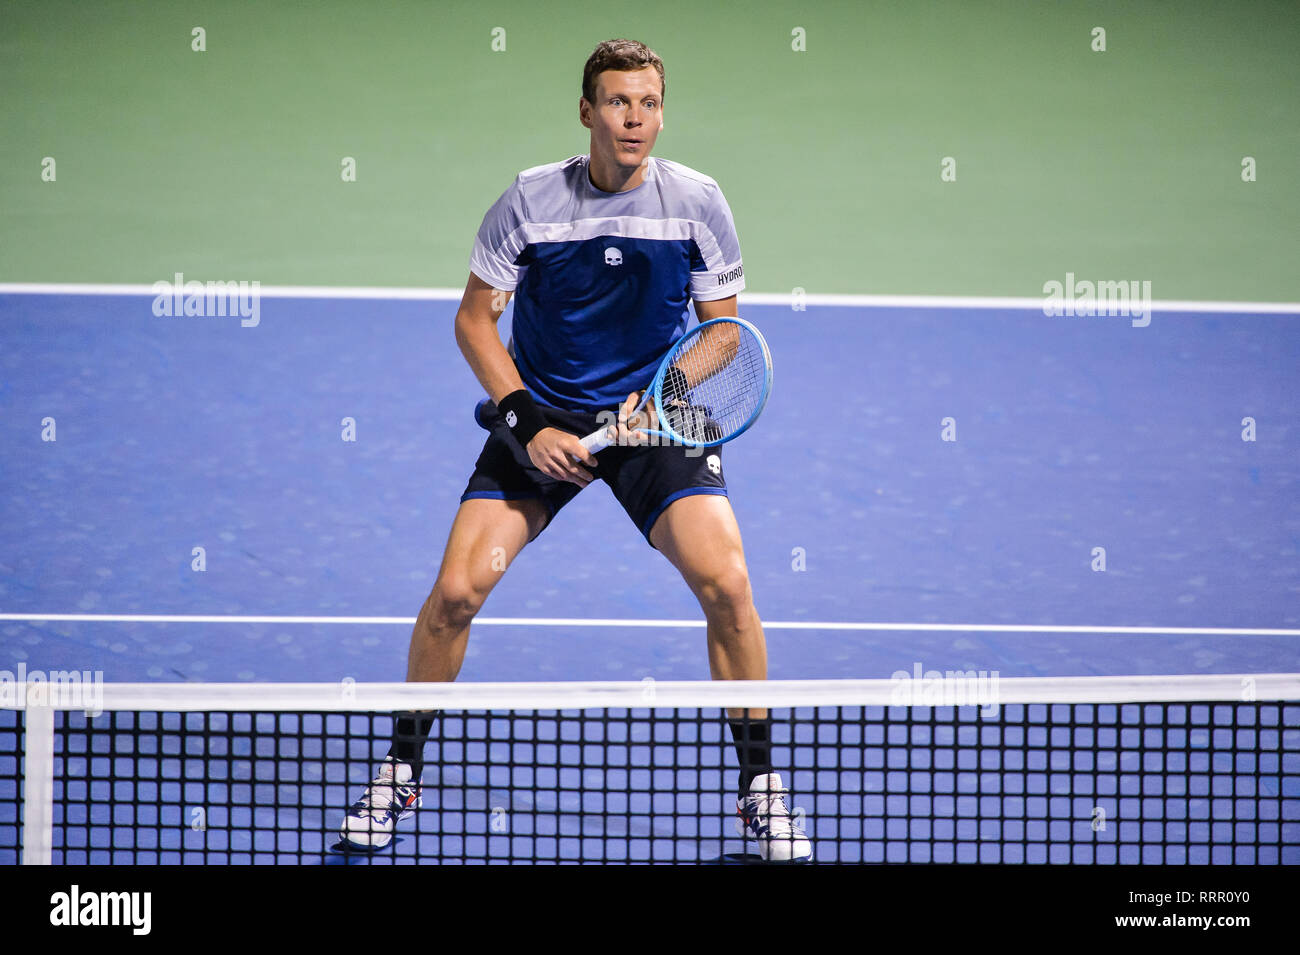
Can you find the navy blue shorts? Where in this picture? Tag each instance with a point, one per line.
(645, 480)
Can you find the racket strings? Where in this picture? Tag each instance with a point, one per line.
(725, 373)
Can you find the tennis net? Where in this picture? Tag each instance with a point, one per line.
(1154, 770)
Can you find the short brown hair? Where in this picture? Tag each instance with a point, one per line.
(624, 56)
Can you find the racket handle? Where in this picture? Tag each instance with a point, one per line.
(600, 439)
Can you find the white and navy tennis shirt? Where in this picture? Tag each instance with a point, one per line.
(602, 281)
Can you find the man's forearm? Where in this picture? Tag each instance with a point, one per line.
(487, 357)
(496, 372)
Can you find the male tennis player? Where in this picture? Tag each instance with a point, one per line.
(602, 253)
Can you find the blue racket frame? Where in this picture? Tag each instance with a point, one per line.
(656, 387)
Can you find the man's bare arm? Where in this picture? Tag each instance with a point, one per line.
(721, 308)
(476, 333)
(629, 426)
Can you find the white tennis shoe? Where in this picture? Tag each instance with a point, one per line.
(390, 798)
(764, 815)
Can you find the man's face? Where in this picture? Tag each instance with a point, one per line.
(627, 116)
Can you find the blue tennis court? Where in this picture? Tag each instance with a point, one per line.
(1071, 434)
(967, 489)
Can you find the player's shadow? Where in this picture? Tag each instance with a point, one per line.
(744, 858)
(338, 854)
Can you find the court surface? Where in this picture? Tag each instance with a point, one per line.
(1071, 434)
(874, 545)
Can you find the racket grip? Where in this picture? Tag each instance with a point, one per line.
(600, 439)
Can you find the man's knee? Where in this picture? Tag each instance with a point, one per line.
(724, 593)
(454, 602)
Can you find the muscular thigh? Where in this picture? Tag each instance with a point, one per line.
(701, 538)
(486, 536)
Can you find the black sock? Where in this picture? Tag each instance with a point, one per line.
(410, 732)
(753, 747)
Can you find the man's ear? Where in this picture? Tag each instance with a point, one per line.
(582, 113)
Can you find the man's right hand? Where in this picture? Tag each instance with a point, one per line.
(556, 454)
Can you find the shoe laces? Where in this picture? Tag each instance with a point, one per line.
(382, 791)
(772, 808)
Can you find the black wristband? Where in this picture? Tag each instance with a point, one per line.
(675, 384)
(523, 417)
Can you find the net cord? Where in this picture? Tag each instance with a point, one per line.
(350, 696)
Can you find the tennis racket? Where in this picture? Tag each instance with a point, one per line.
(710, 387)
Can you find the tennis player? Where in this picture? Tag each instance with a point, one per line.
(603, 253)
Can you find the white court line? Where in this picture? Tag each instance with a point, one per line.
(616, 622)
(266, 291)
(747, 298)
